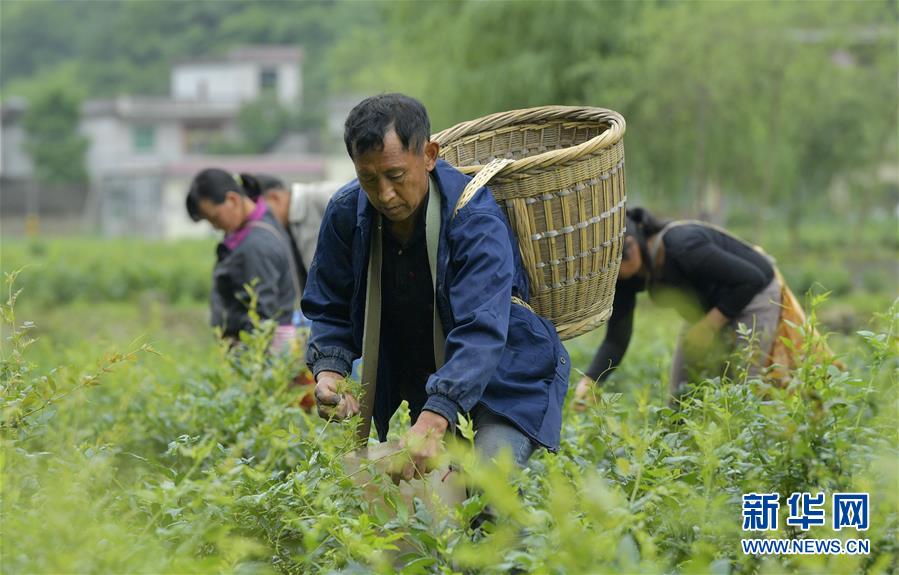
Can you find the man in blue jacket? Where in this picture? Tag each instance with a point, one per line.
(504, 365)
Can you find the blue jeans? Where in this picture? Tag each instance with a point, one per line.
(496, 433)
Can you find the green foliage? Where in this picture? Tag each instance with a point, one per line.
(741, 97)
(25, 397)
(730, 105)
(55, 273)
(199, 460)
(129, 47)
(259, 124)
(51, 125)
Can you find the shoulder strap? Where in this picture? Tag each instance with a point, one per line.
(298, 293)
(479, 181)
(654, 247)
(656, 244)
(371, 331)
(432, 234)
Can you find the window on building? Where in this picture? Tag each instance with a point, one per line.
(268, 79)
(199, 138)
(143, 138)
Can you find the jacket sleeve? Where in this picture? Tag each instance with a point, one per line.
(480, 300)
(329, 290)
(618, 335)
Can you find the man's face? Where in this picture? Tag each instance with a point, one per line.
(396, 180)
(278, 201)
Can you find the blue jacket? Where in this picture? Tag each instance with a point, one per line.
(498, 354)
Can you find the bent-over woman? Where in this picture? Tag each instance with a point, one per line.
(255, 251)
(714, 280)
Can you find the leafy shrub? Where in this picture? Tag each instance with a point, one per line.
(55, 273)
(202, 462)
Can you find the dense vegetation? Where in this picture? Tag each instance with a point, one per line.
(859, 268)
(133, 443)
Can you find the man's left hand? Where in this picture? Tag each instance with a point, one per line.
(423, 442)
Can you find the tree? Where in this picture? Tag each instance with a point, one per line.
(261, 123)
(52, 138)
(754, 102)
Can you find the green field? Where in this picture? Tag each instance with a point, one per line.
(132, 443)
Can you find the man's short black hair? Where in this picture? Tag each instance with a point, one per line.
(268, 182)
(373, 117)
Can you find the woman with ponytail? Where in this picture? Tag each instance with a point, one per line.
(255, 251)
(714, 280)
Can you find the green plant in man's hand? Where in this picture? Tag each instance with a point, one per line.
(424, 441)
(332, 397)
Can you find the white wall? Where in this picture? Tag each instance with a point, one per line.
(112, 144)
(235, 82)
(176, 222)
(214, 82)
(14, 161)
(106, 140)
(290, 85)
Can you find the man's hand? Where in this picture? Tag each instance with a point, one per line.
(423, 441)
(585, 393)
(330, 403)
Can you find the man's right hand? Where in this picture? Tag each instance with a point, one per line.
(585, 394)
(330, 403)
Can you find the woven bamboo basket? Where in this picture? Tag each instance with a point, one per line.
(558, 171)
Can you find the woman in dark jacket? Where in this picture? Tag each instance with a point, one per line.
(714, 280)
(255, 251)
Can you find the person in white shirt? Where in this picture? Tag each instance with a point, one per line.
(300, 211)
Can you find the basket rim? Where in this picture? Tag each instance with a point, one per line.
(493, 122)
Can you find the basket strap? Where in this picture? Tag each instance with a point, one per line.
(521, 302)
(371, 334)
(372, 327)
(479, 181)
(718, 229)
(432, 237)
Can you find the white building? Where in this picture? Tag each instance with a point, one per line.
(243, 75)
(15, 163)
(150, 201)
(139, 132)
(141, 147)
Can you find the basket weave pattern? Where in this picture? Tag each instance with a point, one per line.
(565, 197)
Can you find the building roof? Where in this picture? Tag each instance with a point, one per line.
(159, 108)
(311, 166)
(12, 109)
(259, 54)
(307, 167)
